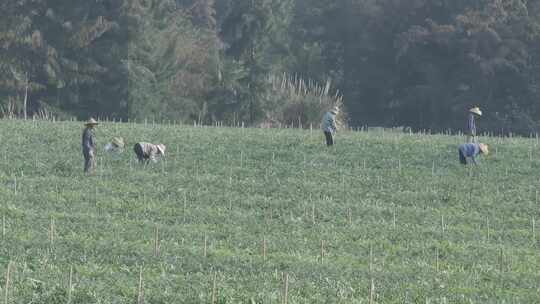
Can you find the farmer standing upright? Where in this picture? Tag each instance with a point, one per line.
(89, 145)
(329, 125)
(471, 124)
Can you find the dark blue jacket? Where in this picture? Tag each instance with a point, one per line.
(470, 150)
(471, 125)
(88, 140)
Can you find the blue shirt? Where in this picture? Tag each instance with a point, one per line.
(470, 150)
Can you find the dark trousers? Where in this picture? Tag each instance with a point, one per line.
(329, 138)
(89, 161)
(462, 158)
(141, 156)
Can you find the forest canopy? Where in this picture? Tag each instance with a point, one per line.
(414, 63)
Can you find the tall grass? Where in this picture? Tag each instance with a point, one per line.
(294, 101)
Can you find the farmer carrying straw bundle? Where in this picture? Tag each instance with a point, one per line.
(471, 151)
(471, 124)
(89, 145)
(147, 151)
(329, 125)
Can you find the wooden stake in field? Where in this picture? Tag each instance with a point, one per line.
(286, 289)
(313, 213)
(51, 232)
(442, 224)
(533, 223)
(394, 222)
(370, 258)
(205, 245)
(501, 260)
(184, 210)
(214, 288)
(437, 260)
(322, 251)
(140, 293)
(156, 241)
(6, 287)
(371, 292)
(264, 249)
(487, 228)
(70, 284)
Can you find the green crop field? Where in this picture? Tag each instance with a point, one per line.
(237, 215)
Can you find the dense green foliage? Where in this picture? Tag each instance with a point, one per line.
(397, 63)
(389, 207)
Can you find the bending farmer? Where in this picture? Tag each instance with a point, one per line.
(147, 151)
(116, 146)
(471, 151)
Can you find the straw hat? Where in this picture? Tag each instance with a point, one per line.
(118, 141)
(161, 148)
(476, 110)
(91, 122)
(335, 110)
(484, 148)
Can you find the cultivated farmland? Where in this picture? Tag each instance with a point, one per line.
(239, 215)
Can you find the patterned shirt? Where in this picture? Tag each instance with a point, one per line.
(150, 150)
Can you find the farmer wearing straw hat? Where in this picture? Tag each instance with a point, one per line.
(89, 145)
(329, 125)
(471, 125)
(116, 145)
(471, 150)
(147, 151)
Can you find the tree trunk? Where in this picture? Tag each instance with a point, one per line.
(25, 98)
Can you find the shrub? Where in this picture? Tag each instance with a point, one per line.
(293, 101)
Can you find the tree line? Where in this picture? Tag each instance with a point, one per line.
(414, 63)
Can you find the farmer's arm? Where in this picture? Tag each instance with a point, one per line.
(334, 123)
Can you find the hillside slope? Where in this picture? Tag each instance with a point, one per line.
(387, 208)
